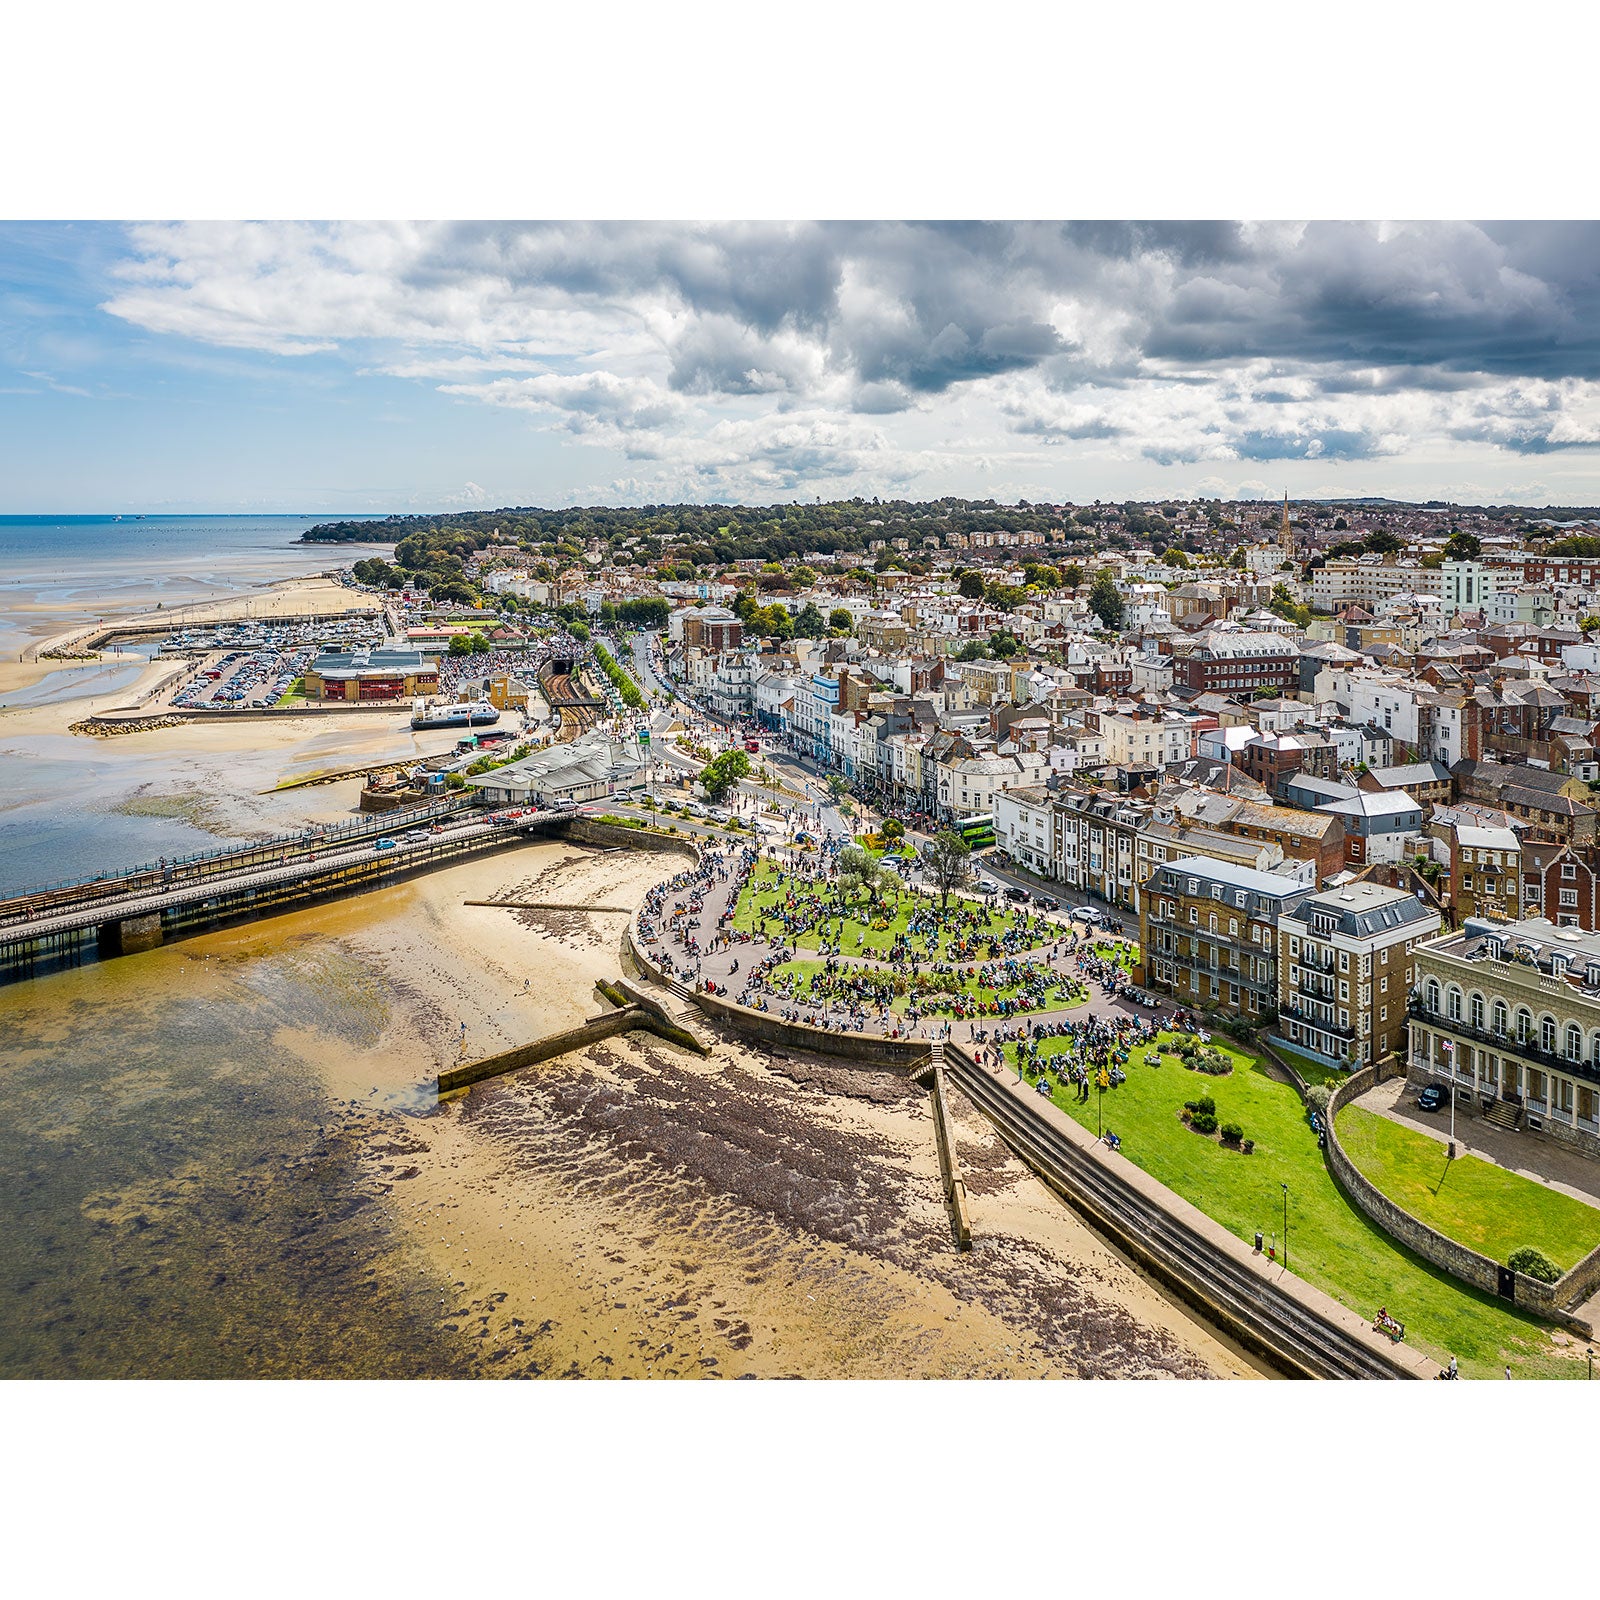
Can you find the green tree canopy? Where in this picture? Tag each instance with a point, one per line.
(1104, 600)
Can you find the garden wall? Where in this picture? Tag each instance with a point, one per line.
(1546, 1300)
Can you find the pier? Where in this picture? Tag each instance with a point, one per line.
(123, 913)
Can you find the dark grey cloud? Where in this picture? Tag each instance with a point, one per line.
(1193, 340)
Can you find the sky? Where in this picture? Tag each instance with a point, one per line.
(373, 367)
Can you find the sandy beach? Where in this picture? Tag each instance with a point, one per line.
(628, 1211)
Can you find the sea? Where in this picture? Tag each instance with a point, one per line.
(57, 567)
(59, 571)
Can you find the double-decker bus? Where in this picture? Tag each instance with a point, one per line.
(977, 831)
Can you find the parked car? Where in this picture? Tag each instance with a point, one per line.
(1086, 914)
(386, 844)
(1431, 1098)
(1014, 893)
(1046, 903)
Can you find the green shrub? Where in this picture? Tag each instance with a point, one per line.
(1205, 1106)
(1232, 1133)
(1318, 1096)
(1534, 1264)
(1248, 1146)
(1203, 1122)
(454, 780)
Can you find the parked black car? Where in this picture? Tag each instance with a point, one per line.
(1014, 893)
(1431, 1098)
(1045, 903)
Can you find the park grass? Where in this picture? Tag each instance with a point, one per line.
(1312, 1070)
(765, 890)
(1331, 1244)
(1472, 1201)
(803, 968)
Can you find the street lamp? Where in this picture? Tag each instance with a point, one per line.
(1285, 1227)
(1448, 1046)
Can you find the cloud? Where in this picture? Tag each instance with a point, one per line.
(779, 353)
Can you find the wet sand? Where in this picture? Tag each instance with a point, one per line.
(224, 1158)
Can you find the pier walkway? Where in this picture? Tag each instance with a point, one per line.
(133, 912)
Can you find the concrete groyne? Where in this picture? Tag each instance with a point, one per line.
(639, 1011)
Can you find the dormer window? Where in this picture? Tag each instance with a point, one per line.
(1558, 966)
(1497, 949)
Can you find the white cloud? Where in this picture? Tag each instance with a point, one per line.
(760, 356)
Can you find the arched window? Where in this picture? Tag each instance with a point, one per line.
(1452, 1003)
(1574, 1042)
(1433, 995)
(1594, 1048)
(1524, 1024)
(1500, 1015)
(1547, 1033)
(1475, 1010)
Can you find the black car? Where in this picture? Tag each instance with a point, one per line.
(1014, 893)
(1431, 1098)
(1045, 903)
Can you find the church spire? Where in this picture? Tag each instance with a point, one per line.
(1285, 532)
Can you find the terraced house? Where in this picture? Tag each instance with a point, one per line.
(1209, 932)
(1345, 971)
(1508, 1016)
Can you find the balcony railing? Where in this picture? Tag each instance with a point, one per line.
(1312, 1020)
(1507, 1044)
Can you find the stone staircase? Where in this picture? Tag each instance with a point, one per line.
(1504, 1114)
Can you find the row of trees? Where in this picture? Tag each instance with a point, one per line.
(627, 689)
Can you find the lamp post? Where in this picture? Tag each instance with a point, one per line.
(1448, 1046)
(1285, 1227)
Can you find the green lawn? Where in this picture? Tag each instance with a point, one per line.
(769, 884)
(1474, 1202)
(1331, 1244)
(805, 969)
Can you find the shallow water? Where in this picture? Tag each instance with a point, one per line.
(224, 1159)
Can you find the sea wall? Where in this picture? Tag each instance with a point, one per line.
(1259, 1302)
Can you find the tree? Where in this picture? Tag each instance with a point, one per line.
(837, 785)
(1003, 644)
(478, 645)
(1383, 543)
(1174, 557)
(1239, 559)
(809, 623)
(840, 620)
(722, 774)
(1071, 575)
(857, 870)
(971, 585)
(947, 859)
(1005, 596)
(1104, 600)
(579, 631)
(459, 645)
(894, 828)
(1463, 547)
(972, 650)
